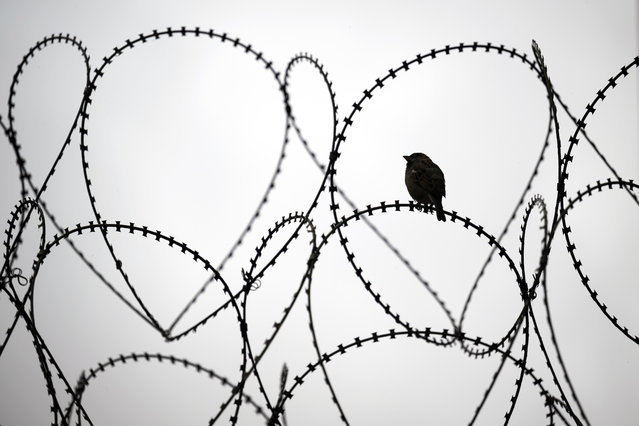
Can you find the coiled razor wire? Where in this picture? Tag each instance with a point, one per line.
(560, 398)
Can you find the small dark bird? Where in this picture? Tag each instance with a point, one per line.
(425, 182)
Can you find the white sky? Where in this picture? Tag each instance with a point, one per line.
(184, 134)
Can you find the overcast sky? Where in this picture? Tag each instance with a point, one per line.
(184, 134)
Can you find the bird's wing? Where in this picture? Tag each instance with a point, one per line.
(431, 178)
(439, 182)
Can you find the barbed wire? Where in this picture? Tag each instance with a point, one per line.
(568, 408)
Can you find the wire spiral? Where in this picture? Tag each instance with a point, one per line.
(67, 395)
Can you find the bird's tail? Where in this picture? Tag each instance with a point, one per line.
(439, 209)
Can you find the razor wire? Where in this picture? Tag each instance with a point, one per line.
(559, 397)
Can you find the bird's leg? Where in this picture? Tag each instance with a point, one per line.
(425, 207)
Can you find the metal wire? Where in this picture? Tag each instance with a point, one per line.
(557, 402)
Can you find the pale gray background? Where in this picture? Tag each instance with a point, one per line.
(184, 133)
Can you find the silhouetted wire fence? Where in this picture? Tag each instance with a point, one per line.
(560, 402)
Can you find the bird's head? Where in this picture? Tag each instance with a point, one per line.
(410, 159)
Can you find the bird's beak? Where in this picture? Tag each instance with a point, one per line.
(406, 157)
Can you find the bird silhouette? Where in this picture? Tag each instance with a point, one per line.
(425, 182)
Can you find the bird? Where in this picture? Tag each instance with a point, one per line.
(425, 182)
